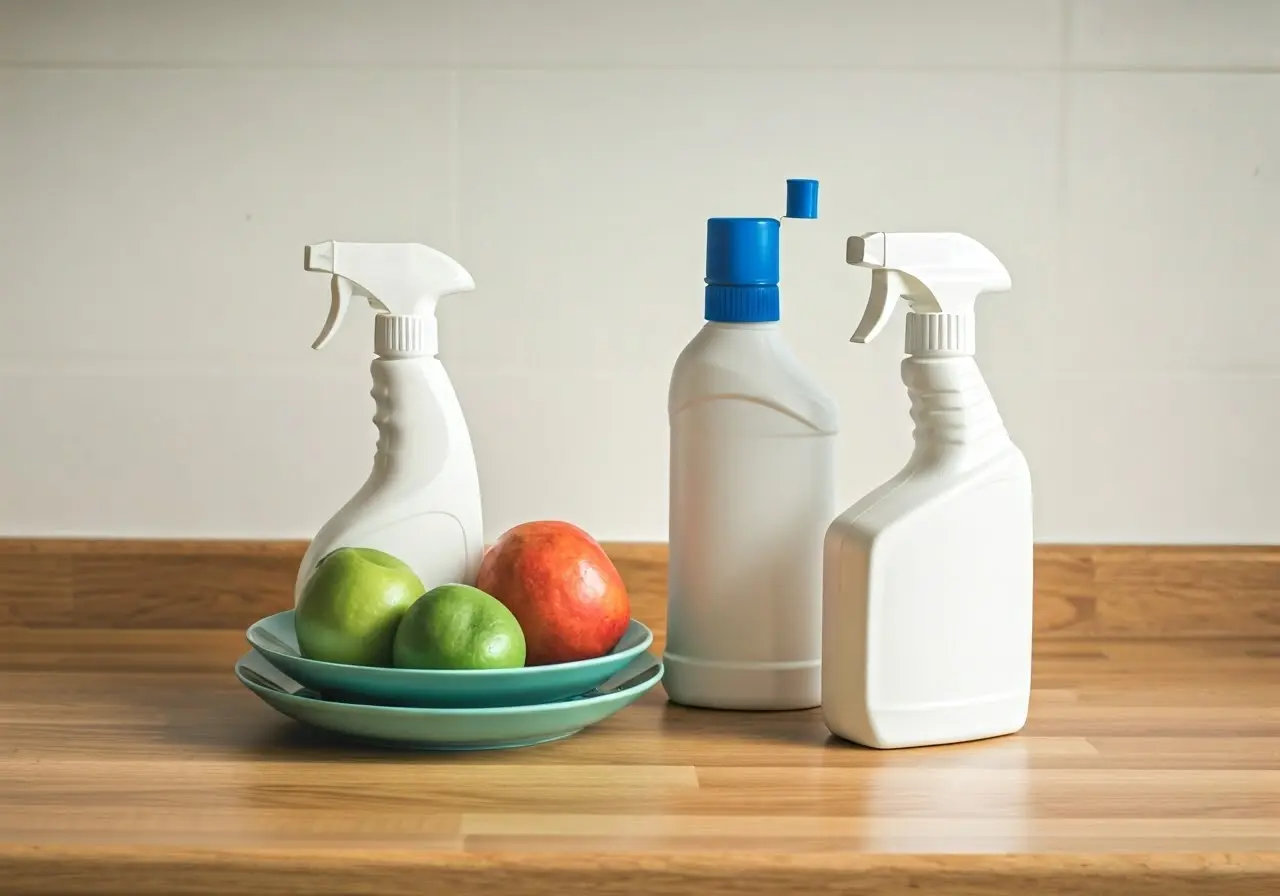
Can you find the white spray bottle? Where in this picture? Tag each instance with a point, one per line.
(421, 501)
(927, 581)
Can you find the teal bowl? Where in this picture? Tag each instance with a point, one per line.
(274, 638)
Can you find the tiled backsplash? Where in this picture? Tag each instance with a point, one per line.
(164, 163)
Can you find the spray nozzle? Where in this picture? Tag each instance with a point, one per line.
(402, 279)
(938, 273)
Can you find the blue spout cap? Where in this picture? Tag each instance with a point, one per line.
(802, 198)
(742, 260)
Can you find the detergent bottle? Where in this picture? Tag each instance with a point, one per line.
(927, 581)
(421, 500)
(752, 445)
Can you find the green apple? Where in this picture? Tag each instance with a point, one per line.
(458, 627)
(351, 606)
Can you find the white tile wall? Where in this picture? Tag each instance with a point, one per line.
(1176, 34)
(163, 163)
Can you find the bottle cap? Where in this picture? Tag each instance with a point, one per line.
(742, 260)
(802, 198)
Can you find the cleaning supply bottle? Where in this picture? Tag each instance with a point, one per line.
(927, 582)
(752, 441)
(421, 500)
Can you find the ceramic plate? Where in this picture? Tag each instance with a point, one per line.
(421, 728)
(275, 639)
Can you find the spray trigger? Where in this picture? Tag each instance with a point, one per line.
(402, 280)
(340, 292)
(339, 298)
(879, 308)
(936, 273)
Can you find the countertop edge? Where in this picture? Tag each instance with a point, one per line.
(36, 870)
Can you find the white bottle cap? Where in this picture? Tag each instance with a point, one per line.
(404, 336)
(935, 333)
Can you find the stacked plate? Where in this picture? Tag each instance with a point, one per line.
(445, 709)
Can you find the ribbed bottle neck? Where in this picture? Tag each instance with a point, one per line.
(414, 436)
(956, 420)
(741, 304)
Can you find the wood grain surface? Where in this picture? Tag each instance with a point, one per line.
(132, 762)
(1081, 591)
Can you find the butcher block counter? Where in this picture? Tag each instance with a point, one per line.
(133, 762)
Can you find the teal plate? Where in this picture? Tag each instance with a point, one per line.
(275, 639)
(421, 728)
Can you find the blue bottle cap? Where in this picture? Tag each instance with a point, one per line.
(742, 251)
(742, 260)
(802, 198)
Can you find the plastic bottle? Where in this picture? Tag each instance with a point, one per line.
(421, 500)
(751, 487)
(928, 579)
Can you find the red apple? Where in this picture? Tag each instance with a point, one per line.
(562, 588)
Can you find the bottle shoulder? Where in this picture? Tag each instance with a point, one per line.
(751, 365)
(424, 461)
(418, 393)
(385, 501)
(983, 495)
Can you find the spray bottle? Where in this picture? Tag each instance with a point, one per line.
(927, 581)
(751, 487)
(421, 501)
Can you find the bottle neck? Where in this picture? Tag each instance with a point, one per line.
(956, 421)
(411, 399)
(763, 326)
(748, 303)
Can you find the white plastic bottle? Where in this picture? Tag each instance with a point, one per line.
(421, 501)
(928, 579)
(751, 488)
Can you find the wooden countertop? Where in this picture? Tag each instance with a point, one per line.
(134, 763)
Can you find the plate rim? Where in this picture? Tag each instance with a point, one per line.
(531, 708)
(574, 665)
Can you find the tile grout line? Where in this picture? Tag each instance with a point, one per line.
(455, 131)
(450, 67)
(455, 163)
(1062, 175)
